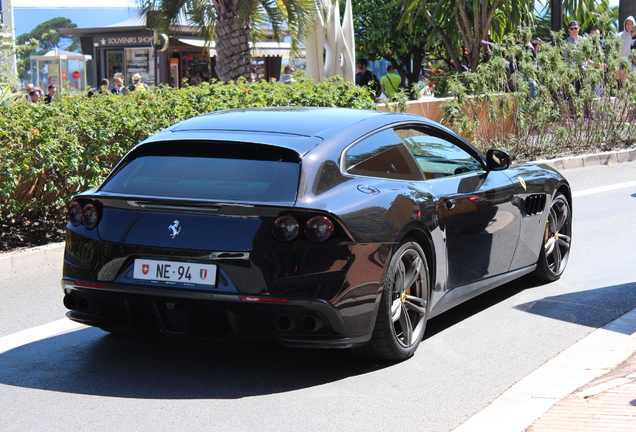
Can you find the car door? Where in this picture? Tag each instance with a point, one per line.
(476, 207)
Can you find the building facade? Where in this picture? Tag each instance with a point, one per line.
(177, 59)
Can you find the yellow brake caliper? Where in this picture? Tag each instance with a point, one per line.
(547, 232)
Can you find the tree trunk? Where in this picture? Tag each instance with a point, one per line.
(231, 36)
(476, 28)
(449, 47)
(413, 71)
(625, 9)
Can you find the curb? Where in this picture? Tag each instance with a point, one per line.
(13, 262)
(605, 158)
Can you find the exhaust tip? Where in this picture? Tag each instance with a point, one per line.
(285, 323)
(311, 324)
(82, 304)
(70, 301)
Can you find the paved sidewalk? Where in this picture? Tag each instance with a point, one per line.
(610, 410)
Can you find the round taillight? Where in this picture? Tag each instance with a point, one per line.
(319, 228)
(75, 213)
(286, 228)
(91, 216)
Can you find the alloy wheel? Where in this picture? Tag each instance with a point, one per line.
(408, 305)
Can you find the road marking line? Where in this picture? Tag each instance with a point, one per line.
(35, 334)
(604, 189)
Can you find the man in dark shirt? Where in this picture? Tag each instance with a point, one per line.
(365, 77)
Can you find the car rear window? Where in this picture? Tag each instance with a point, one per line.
(270, 177)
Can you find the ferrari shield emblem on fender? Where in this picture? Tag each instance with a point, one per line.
(522, 182)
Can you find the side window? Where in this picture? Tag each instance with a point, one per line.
(437, 157)
(382, 155)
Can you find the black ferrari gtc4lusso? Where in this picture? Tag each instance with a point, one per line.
(317, 227)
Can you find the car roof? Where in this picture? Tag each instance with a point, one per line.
(305, 121)
(296, 128)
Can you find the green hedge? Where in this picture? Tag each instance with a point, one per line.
(49, 152)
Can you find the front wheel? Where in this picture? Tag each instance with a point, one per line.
(557, 240)
(401, 319)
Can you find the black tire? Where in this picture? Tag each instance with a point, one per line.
(557, 240)
(403, 311)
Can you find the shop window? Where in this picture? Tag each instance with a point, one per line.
(195, 68)
(140, 61)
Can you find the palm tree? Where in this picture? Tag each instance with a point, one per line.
(462, 25)
(233, 23)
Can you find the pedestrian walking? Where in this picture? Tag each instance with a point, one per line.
(390, 82)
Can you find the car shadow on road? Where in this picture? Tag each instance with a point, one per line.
(472, 307)
(592, 308)
(89, 361)
(92, 362)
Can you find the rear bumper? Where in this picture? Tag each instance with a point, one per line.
(299, 322)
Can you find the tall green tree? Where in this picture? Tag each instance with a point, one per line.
(46, 37)
(462, 25)
(233, 23)
(590, 14)
(378, 35)
(51, 39)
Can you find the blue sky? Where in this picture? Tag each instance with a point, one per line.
(96, 13)
(73, 3)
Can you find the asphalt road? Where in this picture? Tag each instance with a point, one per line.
(91, 381)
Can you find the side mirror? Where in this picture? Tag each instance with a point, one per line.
(497, 160)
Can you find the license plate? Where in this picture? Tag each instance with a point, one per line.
(175, 272)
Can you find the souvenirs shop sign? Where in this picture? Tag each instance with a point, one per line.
(123, 40)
